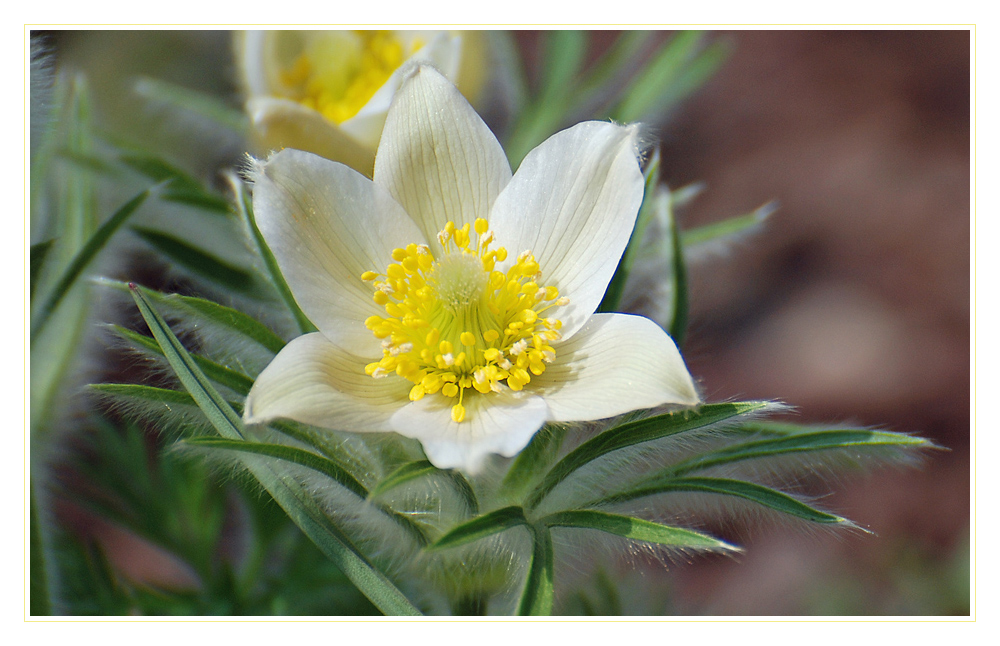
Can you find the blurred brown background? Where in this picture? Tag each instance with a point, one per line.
(853, 304)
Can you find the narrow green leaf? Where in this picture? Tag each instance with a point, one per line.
(481, 527)
(198, 261)
(564, 52)
(231, 379)
(617, 63)
(38, 253)
(245, 209)
(292, 454)
(302, 509)
(165, 396)
(759, 494)
(829, 440)
(613, 294)
(645, 430)
(739, 225)
(539, 587)
(635, 528)
(83, 258)
(197, 102)
(180, 187)
(656, 78)
(230, 318)
(679, 316)
(695, 74)
(39, 602)
(535, 457)
(421, 468)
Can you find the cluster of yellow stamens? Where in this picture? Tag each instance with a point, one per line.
(457, 323)
(339, 77)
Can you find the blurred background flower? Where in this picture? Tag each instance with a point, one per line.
(852, 304)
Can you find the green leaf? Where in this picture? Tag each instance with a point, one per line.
(165, 396)
(799, 443)
(613, 294)
(421, 468)
(679, 312)
(481, 527)
(191, 100)
(198, 261)
(302, 509)
(646, 92)
(180, 187)
(617, 63)
(759, 494)
(645, 430)
(564, 52)
(231, 379)
(292, 454)
(38, 253)
(245, 209)
(233, 320)
(539, 587)
(39, 603)
(695, 74)
(530, 462)
(635, 529)
(739, 225)
(82, 258)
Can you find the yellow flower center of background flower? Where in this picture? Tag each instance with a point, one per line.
(456, 323)
(340, 72)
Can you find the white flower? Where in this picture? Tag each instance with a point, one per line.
(455, 302)
(328, 91)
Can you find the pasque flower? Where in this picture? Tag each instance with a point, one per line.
(455, 302)
(328, 91)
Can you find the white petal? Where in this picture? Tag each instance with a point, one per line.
(573, 202)
(314, 382)
(500, 423)
(443, 52)
(283, 123)
(614, 364)
(437, 158)
(326, 225)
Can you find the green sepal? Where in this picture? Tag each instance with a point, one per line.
(636, 529)
(637, 432)
(296, 502)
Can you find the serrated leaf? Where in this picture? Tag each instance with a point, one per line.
(632, 433)
(199, 261)
(244, 207)
(759, 494)
(799, 443)
(482, 526)
(302, 509)
(539, 587)
(83, 258)
(292, 454)
(635, 529)
(421, 468)
(231, 379)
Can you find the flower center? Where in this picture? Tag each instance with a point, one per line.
(456, 323)
(340, 72)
